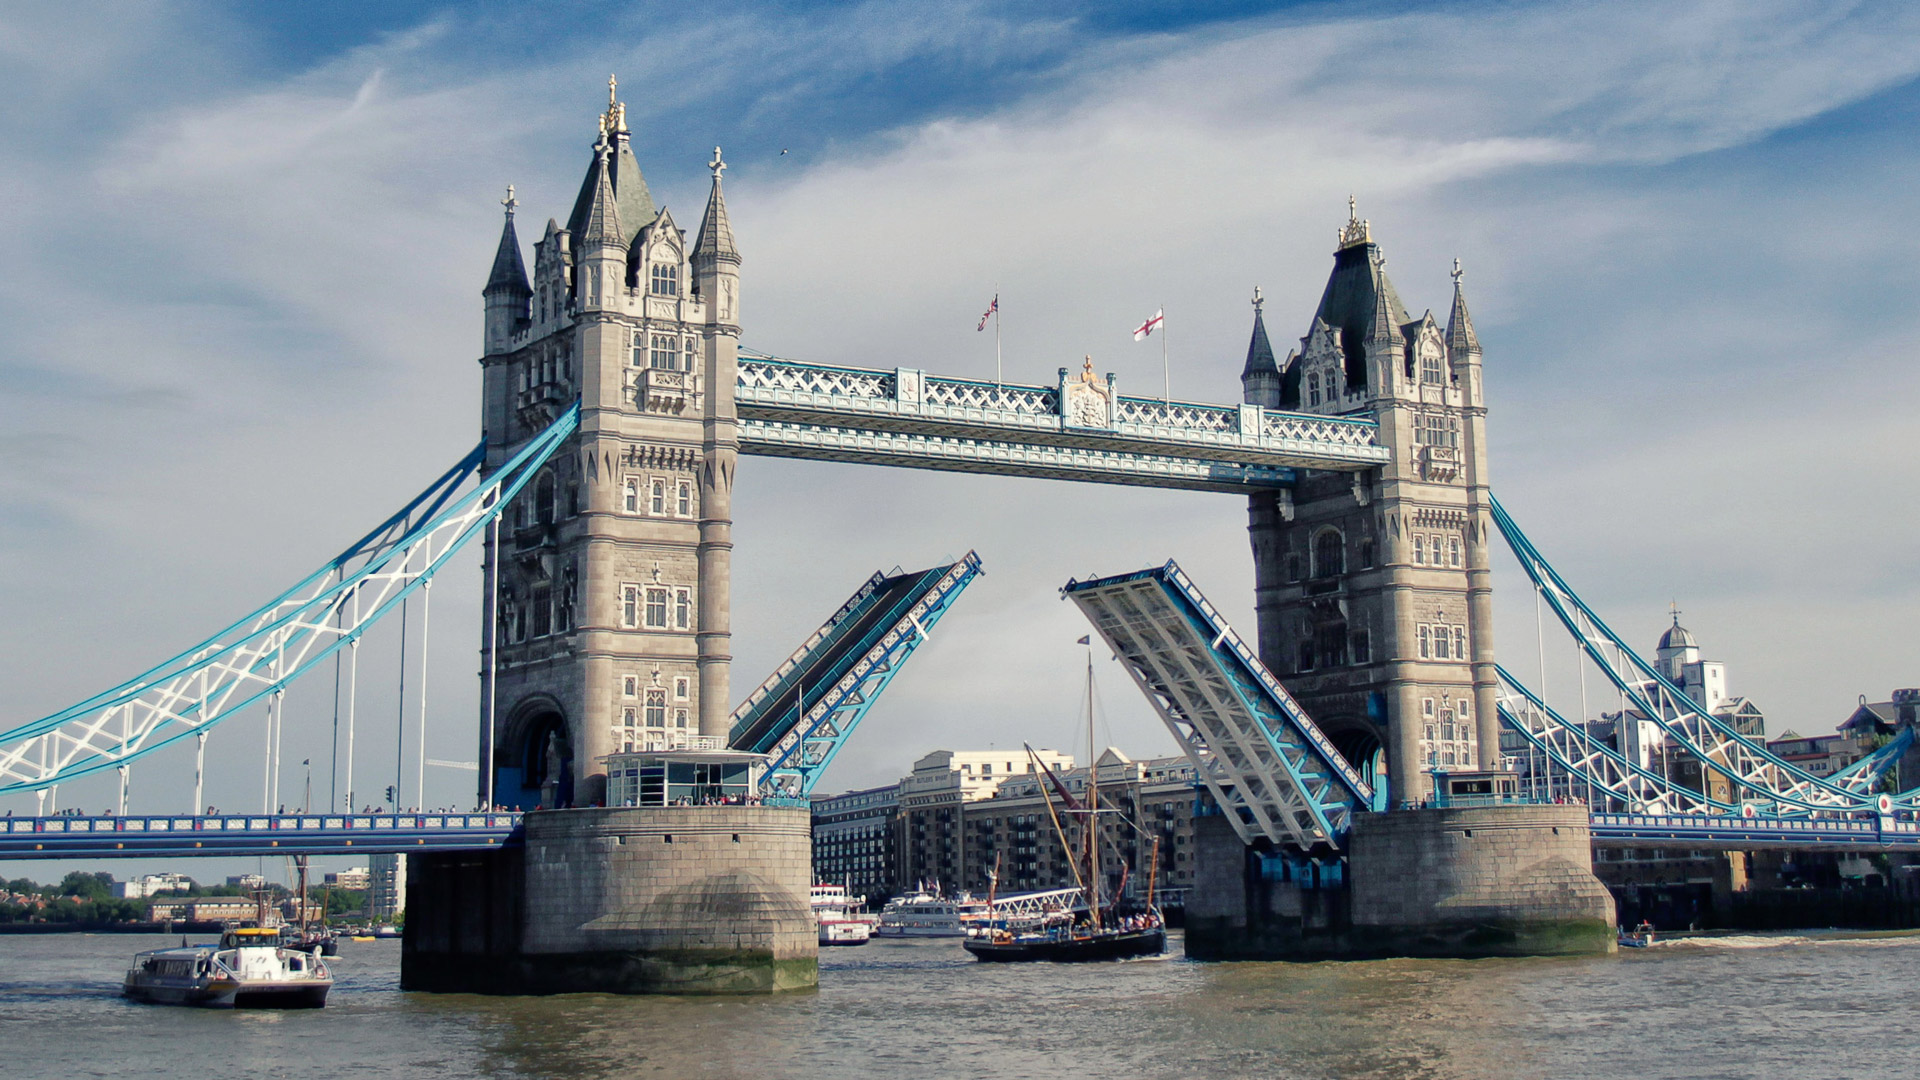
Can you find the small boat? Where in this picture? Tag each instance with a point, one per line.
(1638, 938)
(249, 969)
(386, 930)
(926, 913)
(839, 916)
(1092, 930)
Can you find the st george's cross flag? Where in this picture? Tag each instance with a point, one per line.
(992, 309)
(1148, 327)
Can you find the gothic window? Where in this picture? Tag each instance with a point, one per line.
(543, 499)
(639, 348)
(630, 686)
(633, 497)
(658, 493)
(1313, 389)
(1453, 551)
(683, 609)
(682, 688)
(656, 708)
(666, 352)
(1354, 348)
(1362, 647)
(630, 605)
(1366, 554)
(1333, 645)
(1442, 648)
(1430, 368)
(666, 279)
(680, 719)
(1425, 634)
(573, 500)
(1419, 549)
(656, 613)
(1329, 554)
(1460, 643)
(1293, 566)
(542, 604)
(683, 499)
(627, 719)
(1306, 656)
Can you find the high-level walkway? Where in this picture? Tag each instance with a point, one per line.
(1081, 428)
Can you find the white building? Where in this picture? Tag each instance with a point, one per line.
(355, 877)
(387, 887)
(147, 885)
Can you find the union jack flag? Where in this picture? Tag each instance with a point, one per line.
(992, 310)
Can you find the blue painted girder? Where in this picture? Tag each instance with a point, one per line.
(147, 835)
(1270, 767)
(804, 712)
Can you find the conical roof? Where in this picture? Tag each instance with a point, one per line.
(1259, 350)
(716, 232)
(621, 172)
(1460, 335)
(509, 272)
(601, 225)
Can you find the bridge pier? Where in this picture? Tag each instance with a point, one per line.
(1461, 882)
(631, 900)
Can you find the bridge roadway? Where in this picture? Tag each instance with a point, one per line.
(1078, 429)
(151, 835)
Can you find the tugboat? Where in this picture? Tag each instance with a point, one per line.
(248, 970)
(1094, 931)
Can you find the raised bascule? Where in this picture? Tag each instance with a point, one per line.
(638, 831)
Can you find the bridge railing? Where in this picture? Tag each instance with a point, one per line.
(257, 823)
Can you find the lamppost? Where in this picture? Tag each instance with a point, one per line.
(306, 807)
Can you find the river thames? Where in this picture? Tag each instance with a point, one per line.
(1789, 1006)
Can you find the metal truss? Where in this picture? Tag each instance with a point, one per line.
(1033, 904)
(1586, 760)
(1268, 765)
(1758, 774)
(903, 416)
(261, 653)
(796, 761)
(1882, 832)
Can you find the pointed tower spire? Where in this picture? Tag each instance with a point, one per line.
(622, 173)
(1261, 382)
(602, 224)
(1461, 339)
(509, 274)
(716, 232)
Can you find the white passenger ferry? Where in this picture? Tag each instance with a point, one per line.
(928, 914)
(842, 918)
(248, 970)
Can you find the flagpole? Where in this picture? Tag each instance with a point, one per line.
(1166, 370)
(996, 341)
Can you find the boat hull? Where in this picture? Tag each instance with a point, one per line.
(230, 994)
(1119, 946)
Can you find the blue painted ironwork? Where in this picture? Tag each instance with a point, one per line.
(1881, 832)
(263, 652)
(1757, 771)
(805, 711)
(906, 417)
(1267, 764)
(139, 835)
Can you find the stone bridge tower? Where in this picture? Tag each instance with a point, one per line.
(609, 624)
(1373, 590)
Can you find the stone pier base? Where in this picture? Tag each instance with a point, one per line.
(636, 900)
(1467, 882)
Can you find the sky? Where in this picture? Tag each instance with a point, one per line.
(243, 247)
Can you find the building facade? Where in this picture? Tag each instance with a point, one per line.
(386, 887)
(609, 609)
(1373, 592)
(856, 841)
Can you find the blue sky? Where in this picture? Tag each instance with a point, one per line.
(243, 248)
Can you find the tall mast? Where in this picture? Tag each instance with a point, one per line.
(1093, 805)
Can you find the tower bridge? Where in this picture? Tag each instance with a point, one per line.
(1357, 731)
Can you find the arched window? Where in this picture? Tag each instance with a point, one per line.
(1430, 368)
(1419, 549)
(1459, 643)
(666, 280)
(633, 497)
(1453, 551)
(1366, 554)
(1329, 554)
(1353, 347)
(1426, 638)
(1313, 389)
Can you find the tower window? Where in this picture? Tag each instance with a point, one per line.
(633, 497)
(1313, 389)
(659, 496)
(630, 686)
(656, 613)
(683, 499)
(1430, 368)
(1419, 549)
(1306, 656)
(1329, 554)
(639, 348)
(656, 708)
(1366, 553)
(680, 719)
(1362, 647)
(1425, 634)
(666, 280)
(630, 605)
(1453, 551)
(1460, 642)
(682, 688)
(666, 352)
(543, 499)
(542, 613)
(683, 609)
(1441, 644)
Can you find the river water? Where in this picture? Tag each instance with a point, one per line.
(1786, 1006)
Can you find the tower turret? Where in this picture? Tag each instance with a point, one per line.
(1260, 378)
(507, 292)
(716, 276)
(601, 262)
